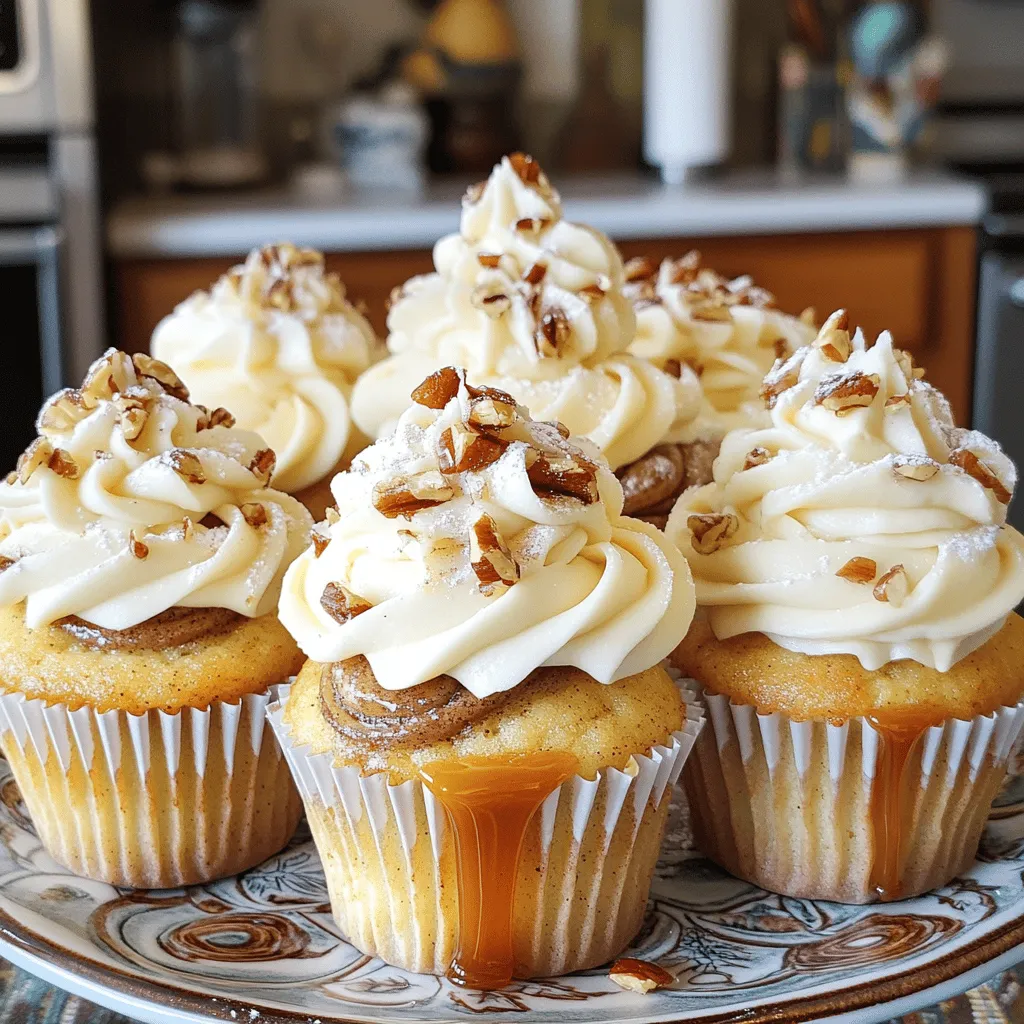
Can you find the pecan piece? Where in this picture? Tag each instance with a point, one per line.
(673, 367)
(841, 393)
(531, 225)
(833, 340)
(461, 450)
(489, 556)
(858, 570)
(218, 417)
(562, 476)
(639, 976)
(320, 541)
(63, 464)
(710, 312)
(893, 586)
(133, 417)
(438, 389)
(894, 401)
(535, 272)
(262, 465)
(186, 464)
(640, 268)
(254, 513)
(757, 456)
(711, 531)
(341, 604)
(526, 167)
(592, 292)
(974, 467)
(494, 304)
(553, 332)
(906, 364)
(685, 269)
(488, 259)
(408, 495)
(154, 369)
(486, 411)
(137, 548)
(6, 563)
(780, 378)
(915, 467)
(35, 455)
(63, 411)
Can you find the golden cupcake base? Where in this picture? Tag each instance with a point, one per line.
(155, 800)
(812, 809)
(584, 873)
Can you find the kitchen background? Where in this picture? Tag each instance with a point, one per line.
(844, 152)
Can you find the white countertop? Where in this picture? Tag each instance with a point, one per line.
(624, 206)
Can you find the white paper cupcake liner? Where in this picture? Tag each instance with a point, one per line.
(787, 805)
(153, 800)
(584, 872)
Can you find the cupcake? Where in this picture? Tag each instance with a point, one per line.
(484, 736)
(277, 342)
(534, 305)
(856, 638)
(728, 332)
(141, 560)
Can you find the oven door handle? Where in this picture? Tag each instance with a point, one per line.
(41, 247)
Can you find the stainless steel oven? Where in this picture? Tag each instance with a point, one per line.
(50, 239)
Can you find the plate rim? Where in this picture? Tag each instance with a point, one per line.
(955, 973)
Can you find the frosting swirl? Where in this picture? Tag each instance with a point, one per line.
(534, 305)
(479, 544)
(133, 501)
(277, 341)
(861, 521)
(728, 332)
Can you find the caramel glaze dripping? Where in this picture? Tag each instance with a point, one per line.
(489, 802)
(892, 797)
(172, 628)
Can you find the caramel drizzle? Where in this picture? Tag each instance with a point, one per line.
(489, 803)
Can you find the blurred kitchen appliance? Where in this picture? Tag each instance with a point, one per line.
(687, 69)
(218, 86)
(50, 242)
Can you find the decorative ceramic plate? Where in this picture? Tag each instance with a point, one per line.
(263, 947)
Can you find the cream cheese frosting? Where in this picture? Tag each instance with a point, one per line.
(728, 331)
(277, 341)
(532, 304)
(132, 501)
(861, 520)
(479, 544)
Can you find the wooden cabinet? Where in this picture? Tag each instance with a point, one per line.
(917, 283)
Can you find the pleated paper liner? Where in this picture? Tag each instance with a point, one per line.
(818, 810)
(153, 800)
(584, 872)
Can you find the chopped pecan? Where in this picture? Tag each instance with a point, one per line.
(101, 378)
(137, 548)
(673, 367)
(408, 495)
(639, 976)
(711, 531)
(893, 586)
(488, 259)
(320, 541)
(63, 411)
(535, 272)
(254, 513)
(461, 450)
(841, 393)
(780, 378)
(438, 389)
(833, 340)
(494, 304)
(684, 270)
(6, 563)
(640, 268)
(218, 417)
(332, 515)
(593, 292)
(974, 467)
(906, 364)
(553, 332)
(154, 369)
(757, 456)
(531, 225)
(186, 464)
(556, 475)
(188, 529)
(711, 312)
(526, 167)
(894, 401)
(915, 467)
(487, 411)
(133, 417)
(262, 465)
(489, 556)
(35, 455)
(63, 464)
(858, 570)
(341, 604)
